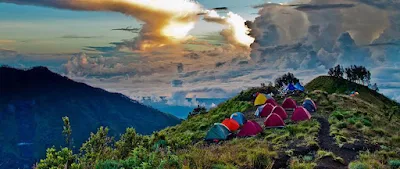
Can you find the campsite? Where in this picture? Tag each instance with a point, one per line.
(321, 126)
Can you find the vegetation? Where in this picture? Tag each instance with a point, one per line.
(353, 73)
(286, 79)
(67, 131)
(362, 120)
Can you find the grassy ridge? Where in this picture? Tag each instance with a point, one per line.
(342, 86)
(351, 120)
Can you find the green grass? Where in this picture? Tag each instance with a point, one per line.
(341, 86)
(350, 118)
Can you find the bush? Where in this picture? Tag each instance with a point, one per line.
(367, 122)
(56, 159)
(108, 164)
(338, 115)
(358, 165)
(359, 125)
(394, 164)
(342, 125)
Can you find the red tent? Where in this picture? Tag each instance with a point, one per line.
(272, 101)
(250, 128)
(301, 114)
(231, 124)
(274, 120)
(280, 111)
(289, 103)
(267, 110)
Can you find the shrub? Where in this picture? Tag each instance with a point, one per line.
(338, 115)
(342, 125)
(359, 125)
(297, 164)
(56, 159)
(394, 164)
(108, 164)
(367, 122)
(358, 165)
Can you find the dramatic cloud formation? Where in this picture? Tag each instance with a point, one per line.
(322, 33)
(237, 32)
(166, 22)
(305, 37)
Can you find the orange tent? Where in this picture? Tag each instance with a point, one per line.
(231, 124)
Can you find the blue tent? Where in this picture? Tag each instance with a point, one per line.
(290, 87)
(298, 86)
(258, 111)
(217, 132)
(309, 105)
(239, 117)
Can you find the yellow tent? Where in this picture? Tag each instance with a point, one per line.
(260, 100)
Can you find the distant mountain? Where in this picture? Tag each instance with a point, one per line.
(33, 102)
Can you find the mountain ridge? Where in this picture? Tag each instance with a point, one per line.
(33, 101)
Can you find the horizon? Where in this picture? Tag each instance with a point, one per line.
(89, 44)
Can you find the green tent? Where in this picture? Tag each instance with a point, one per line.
(217, 132)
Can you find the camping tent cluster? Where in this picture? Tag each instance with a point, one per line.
(269, 109)
(275, 114)
(353, 93)
(221, 131)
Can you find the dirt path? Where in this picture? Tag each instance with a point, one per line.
(348, 152)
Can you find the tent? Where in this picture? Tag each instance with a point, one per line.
(260, 99)
(280, 111)
(269, 96)
(239, 118)
(274, 120)
(231, 124)
(258, 110)
(300, 114)
(266, 110)
(290, 87)
(272, 101)
(289, 103)
(250, 128)
(217, 132)
(299, 87)
(310, 105)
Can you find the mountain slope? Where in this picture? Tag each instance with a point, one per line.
(33, 101)
(345, 132)
(343, 86)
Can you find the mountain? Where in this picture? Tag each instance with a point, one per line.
(343, 86)
(345, 132)
(33, 102)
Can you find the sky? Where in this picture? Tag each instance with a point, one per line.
(208, 55)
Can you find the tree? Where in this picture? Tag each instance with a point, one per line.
(96, 148)
(336, 71)
(56, 159)
(128, 141)
(67, 131)
(286, 79)
(358, 74)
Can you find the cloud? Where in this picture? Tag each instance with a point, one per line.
(165, 22)
(79, 37)
(6, 41)
(176, 83)
(237, 32)
(310, 7)
(83, 65)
